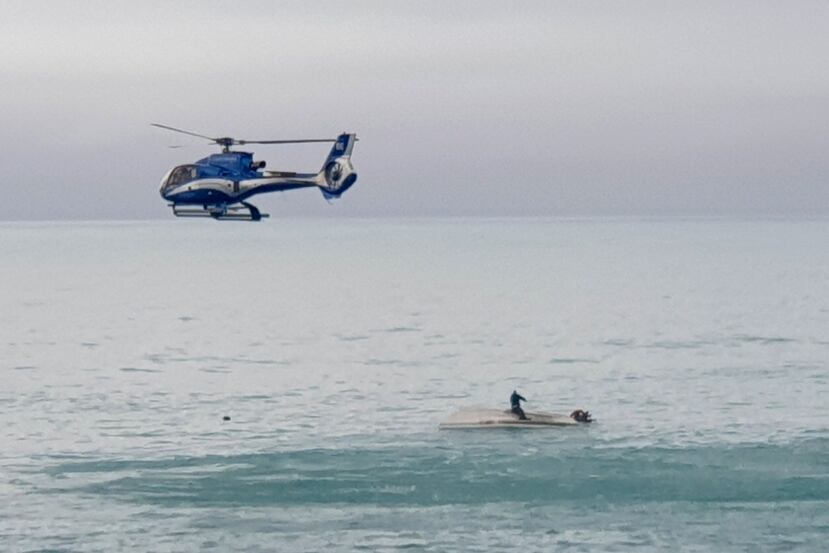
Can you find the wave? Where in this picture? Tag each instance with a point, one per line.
(462, 470)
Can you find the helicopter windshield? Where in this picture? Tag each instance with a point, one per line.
(181, 175)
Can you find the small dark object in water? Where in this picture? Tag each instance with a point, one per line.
(580, 415)
(225, 418)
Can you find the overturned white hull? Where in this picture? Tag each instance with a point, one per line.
(476, 417)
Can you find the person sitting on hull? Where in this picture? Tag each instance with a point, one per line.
(515, 402)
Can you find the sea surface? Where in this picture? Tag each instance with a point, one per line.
(336, 347)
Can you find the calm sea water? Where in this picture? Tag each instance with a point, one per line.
(337, 347)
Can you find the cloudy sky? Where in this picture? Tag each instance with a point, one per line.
(463, 108)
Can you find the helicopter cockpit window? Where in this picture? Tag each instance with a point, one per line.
(182, 175)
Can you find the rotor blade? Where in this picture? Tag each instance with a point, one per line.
(301, 141)
(183, 131)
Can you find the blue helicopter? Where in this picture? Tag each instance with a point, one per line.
(218, 185)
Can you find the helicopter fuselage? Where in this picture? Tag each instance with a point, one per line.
(227, 178)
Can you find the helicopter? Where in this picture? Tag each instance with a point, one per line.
(218, 185)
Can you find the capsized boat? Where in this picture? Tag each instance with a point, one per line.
(479, 417)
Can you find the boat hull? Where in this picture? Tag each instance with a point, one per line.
(499, 418)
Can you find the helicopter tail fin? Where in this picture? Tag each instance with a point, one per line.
(337, 174)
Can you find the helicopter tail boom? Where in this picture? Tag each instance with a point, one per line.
(337, 174)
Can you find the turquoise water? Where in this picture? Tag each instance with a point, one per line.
(337, 347)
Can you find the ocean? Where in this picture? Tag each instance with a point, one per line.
(337, 346)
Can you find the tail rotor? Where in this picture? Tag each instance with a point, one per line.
(337, 174)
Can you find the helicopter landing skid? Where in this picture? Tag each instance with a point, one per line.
(244, 212)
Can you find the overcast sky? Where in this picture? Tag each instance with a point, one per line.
(462, 108)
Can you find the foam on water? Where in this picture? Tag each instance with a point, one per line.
(336, 348)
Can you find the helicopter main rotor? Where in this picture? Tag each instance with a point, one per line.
(226, 141)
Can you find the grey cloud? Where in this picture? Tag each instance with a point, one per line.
(471, 108)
